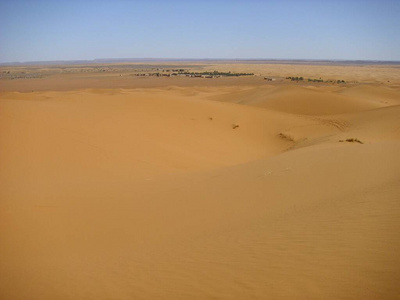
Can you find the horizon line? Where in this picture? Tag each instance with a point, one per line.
(160, 59)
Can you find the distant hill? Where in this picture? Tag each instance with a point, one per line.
(241, 60)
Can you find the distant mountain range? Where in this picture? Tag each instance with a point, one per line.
(239, 60)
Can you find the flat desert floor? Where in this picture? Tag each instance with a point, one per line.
(115, 186)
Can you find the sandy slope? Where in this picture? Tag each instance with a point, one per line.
(311, 101)
(135, 134)
(152, 194)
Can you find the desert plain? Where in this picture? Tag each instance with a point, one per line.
(117, 184)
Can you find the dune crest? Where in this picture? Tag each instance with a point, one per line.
(309, 101)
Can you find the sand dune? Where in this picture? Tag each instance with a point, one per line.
(307, 101)
(382, 94)
(132, 133)
(226, 192)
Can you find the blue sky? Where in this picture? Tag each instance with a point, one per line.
(87, 29)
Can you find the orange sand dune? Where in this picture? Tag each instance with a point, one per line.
(135, 134)
(165, 193)
(382, 94)
(302, 100)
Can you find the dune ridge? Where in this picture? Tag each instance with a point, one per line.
(309, 101)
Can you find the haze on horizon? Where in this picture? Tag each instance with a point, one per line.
(85, 30)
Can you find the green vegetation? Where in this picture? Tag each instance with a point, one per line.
(292, 78)
(295, 78)
(215, 73)
(315, 80)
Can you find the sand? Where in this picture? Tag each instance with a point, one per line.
(186, 188)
